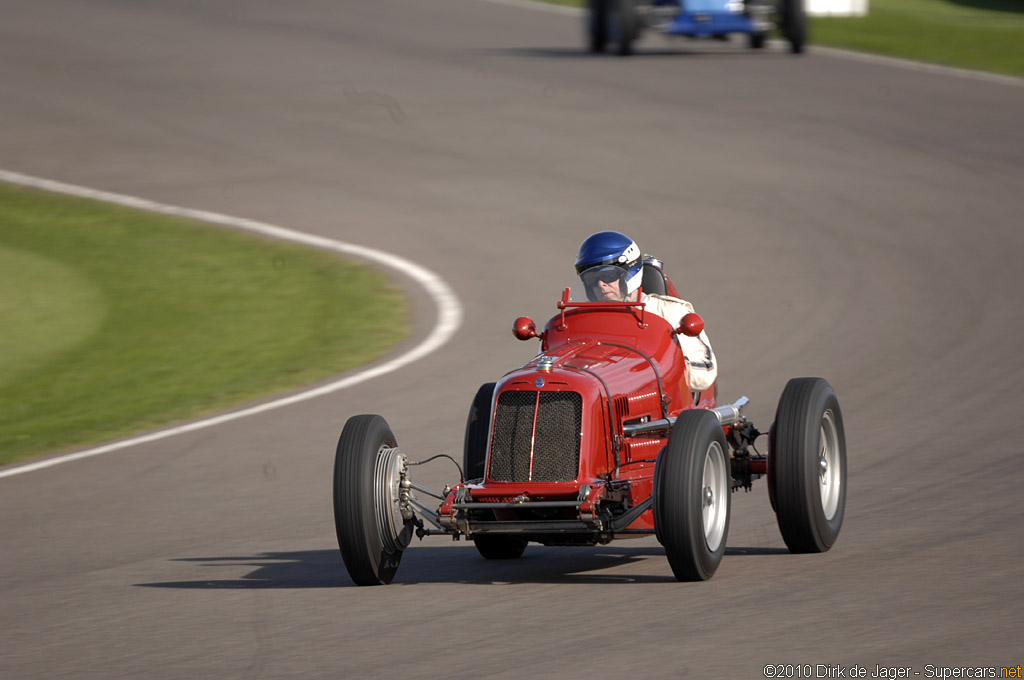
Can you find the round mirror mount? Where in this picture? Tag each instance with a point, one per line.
(691, 326)
(524, 328)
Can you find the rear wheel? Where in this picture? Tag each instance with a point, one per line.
(478, 425)
(692, 496)
(596, 25)
(793, 24)
(372, 532)
(771, 469)
(624, 24)
(807, 465)
(498, 547)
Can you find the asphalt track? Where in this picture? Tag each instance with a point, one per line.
(827, 216)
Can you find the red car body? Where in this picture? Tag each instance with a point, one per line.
(597, 437)
(561, 424)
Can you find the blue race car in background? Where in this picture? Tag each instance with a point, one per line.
(619, 23)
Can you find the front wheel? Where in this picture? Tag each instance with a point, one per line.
(807, 465)
(372, 532)
(692, 496)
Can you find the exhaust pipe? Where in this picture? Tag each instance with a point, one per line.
(730, 414)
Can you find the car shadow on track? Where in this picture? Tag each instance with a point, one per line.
(452, 564)
(702, 49)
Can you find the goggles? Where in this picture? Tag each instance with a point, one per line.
(603, 274)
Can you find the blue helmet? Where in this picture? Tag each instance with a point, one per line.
(609, 253)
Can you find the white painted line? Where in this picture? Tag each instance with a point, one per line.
(449, 311)
(540, 6)
(835, 52)
(909, 65)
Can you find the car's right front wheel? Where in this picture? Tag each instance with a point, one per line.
(692, 496)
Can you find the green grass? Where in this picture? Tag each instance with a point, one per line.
(982, 35)
(114, 321)
(986, 35)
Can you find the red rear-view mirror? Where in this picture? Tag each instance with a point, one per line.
(524, 328)
(691, 325)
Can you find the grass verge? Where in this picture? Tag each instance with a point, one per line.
(985, 35)
(114, 321)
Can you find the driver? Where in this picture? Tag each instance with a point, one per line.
(610, 266)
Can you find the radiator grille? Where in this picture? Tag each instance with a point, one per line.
(556, 439)
(513, 430)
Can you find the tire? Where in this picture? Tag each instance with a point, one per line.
(692, 496)
(478, 425)
(498, 547)
(807, 465)
(793, 23)
(371, 531)
(624, 26)
(770, 469)
(756, 40)
(596, 25)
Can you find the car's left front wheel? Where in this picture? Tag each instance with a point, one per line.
(692, 495)
(372, 532)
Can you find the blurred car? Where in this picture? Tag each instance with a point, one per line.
(617, 24)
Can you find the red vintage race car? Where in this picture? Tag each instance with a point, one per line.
(598, 437)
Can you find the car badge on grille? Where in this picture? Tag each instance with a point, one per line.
(539, 382)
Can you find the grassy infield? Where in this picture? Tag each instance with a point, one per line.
(114, 321)
(986, 35)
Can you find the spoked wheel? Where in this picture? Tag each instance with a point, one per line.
(372, 533)
(807, 465)
(596, 24)
(498, 547)
(793, 24)
(692, 496)
(478, 425)
(623, 25)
